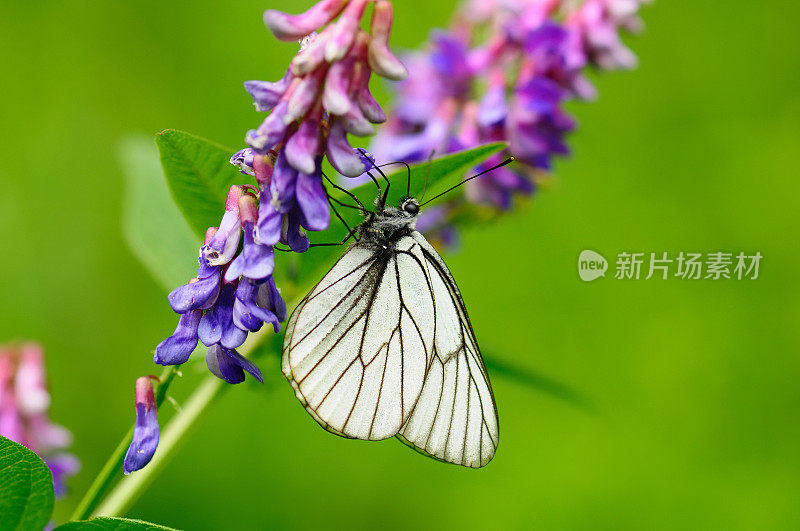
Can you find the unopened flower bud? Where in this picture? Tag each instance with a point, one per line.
(345, 30)
(262, 167)
(29, 383)
(295, 27)
(381, 59)
(145, 430)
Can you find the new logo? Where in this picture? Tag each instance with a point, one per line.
(591, 265)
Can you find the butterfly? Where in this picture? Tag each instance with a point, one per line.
(383, 347)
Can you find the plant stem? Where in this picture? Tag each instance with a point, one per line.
(103, 480)
(108, 474)
(131, 487)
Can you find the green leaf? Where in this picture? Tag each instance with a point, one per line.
(536, 380)
(26, 488)
(112, 524)
(152, 225)
(199, 175)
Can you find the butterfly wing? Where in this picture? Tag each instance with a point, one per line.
(455, 419)
(357, 348)
(383, 346)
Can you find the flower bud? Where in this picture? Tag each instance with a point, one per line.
(345, 30)
(145, 430)
(304, 97)
(29, 383)
(266, 95)
(224, 244)
(229, 365)
(381, 59)
(177, 348)
(262, 167)
(295, 27)
(248, 208)
(304, 146)
(341, 154)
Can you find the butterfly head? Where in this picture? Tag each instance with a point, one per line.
(410, 206)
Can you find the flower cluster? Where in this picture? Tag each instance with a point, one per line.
(323, 97)
(24, 401)
(233, 294)
(509, 85)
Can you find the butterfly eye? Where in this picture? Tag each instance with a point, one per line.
(411, 207)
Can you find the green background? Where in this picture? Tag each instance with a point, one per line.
(694, 383)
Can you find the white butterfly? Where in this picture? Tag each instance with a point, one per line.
(383, 347)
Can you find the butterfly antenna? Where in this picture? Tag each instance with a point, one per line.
(408, 172)
(385, 193)
(509, 160)
(427, 174)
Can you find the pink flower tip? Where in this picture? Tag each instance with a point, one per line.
(145, 394)
(232, 202)
(210, 233)
(248, 208)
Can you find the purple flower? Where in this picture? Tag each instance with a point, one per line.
(250, 311)
(217, 326)
(270, 220)
(341, 154)
(266, 95)
(302, 147)
(230, 366)
(293, 200)
(272, 130)
(176, 349)
(24, 401)
(313, 201)
(449, 59)
(493, 108)
(381, 59)
(199, 293)
(537, 125)
(503, 72)
(269, 298)
(324, 96)
(291, 234)
(145, 430)
(224, 302)
(597, 22)
(294, 27)
(244, 159)
(256, 261)
(62, 466)
(225, 241)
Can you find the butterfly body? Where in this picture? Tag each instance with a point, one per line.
(382, 346)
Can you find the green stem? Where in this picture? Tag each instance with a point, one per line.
(131, 487)
(109, 472)
(103, 480)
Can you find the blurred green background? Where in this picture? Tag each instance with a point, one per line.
(695, 383)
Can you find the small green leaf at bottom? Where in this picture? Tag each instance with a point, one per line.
(26, 488)
(112, 524)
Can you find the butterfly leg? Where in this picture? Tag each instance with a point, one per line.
(333, 207)
(348, 192)
(349, 235)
